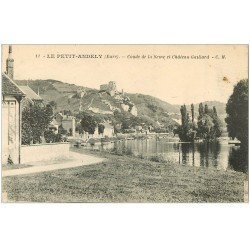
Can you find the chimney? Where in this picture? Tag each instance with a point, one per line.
(10, 64)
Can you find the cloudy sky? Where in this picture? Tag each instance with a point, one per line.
(174, 80)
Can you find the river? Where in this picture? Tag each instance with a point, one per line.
(218, 154)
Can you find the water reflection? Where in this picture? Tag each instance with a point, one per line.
(215, 154)
(209, 153)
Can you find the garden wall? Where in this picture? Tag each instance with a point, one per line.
(44, 152)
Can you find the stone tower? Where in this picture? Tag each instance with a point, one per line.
(10, 64)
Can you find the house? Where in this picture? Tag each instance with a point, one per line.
(31, 97)
(107, 132)
(68, 122)
(54, 126)
(11, 119)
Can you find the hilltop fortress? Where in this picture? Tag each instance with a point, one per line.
(124, 101)
(109, 88)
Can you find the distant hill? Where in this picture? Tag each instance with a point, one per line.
(145, 102)
(74, 98)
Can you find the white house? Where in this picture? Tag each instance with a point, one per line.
(109, 129)
(68, 122)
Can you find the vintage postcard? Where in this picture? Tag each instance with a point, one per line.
(124, 123)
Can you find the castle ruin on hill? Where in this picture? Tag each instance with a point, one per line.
(109, 88)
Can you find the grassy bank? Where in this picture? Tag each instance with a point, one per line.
(127, 179)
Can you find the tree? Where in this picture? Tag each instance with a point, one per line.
(206, 109)
(53, 104)
(35, 120)
(186, 131)
(237, 113)
(192, 112)
(79, 129)
(209, 124)
(205, 125)
(26, 127)
(201, 109)
(88, 123)
(183, 115)
(101, 128)
(214, 110)
(217, 128)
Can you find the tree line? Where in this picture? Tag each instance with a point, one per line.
(207, 127)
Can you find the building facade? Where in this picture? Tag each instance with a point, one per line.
(12, 96)
(68, 122)
(11, 120)
(108, 130)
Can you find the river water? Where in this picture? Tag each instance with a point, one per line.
(218, 155)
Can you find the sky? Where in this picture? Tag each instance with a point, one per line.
(173, 73)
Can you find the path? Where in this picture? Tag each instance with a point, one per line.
(77, 161)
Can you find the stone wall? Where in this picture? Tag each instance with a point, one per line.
(44, 152)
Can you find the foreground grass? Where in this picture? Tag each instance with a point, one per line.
(127, 179)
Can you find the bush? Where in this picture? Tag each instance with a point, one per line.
(9, 161)
(157, 158)
(58, 138)
(92, 141)
(160, 158)
(61, 130)
(51, 137)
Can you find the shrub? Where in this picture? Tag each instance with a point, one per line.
(157, 158)
(49, 136)
(9, 161)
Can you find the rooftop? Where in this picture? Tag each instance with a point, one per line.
(9, 87)
(30, 93)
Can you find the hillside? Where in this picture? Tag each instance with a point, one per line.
(75, 98)
(145, 101)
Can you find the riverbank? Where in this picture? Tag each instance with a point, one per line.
(126, 179)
